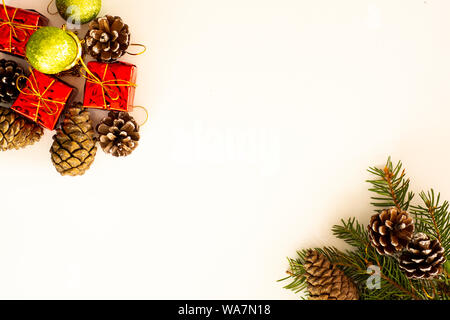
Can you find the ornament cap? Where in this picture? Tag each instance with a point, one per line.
(79, 48)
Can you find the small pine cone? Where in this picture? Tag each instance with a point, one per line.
(10, 71)
(119, 134)
(390, 231)
(326, 281)
(108, 38)
(17, 132)
(423, 258)
(74, 146)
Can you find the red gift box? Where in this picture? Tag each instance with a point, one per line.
(43, 99)
(110, 86)
(16, 27)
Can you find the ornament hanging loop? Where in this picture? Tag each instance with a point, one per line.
(48, 8)
(147, 116)
(144, 49)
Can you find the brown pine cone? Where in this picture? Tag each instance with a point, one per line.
(326, 281)
(74, 147)
(119, 134)
(17, 132)
(108, 38)
(10, 71)
(390, 231)
(423, 258)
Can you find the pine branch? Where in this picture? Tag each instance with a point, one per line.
(393, 276)
(352, 232)
(433, 218)
(354, 265)
(297, 273)
(345, 260)
(355, 234)
(392, 190)
(391, 187)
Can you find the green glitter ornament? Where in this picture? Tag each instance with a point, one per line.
(51, 50)
(79, 11)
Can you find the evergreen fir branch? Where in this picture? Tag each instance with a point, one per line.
(391, 187)
(394, 283)
(296, 273)
(352, 232)
(433, 218)
(354, 265)
(392, 190)
(394, 277)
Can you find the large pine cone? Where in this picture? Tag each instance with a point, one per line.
(326, 281)
(74, 147)
(108, 38)
(119, 134)
(423, 258)
(390, 231)
(10, 71)
(16, 131)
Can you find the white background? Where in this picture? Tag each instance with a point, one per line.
(264, 117)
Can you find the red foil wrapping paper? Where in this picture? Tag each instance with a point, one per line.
(43, 99)
(16, 27)
(112, 87)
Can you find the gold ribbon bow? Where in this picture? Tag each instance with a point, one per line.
(33, 90)
(14, 25)
(106, 85)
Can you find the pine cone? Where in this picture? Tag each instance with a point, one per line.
(119, 134)
(390, 231)
(16, 131)
(74, 147)
(326, 281)
(423, 258)
(10, 71)
(108, 38)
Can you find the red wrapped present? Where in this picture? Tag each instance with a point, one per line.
(110, 86)
(16, 27)
(43, 99)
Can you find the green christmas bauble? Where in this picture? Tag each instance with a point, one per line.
(82, 11)
(52, 50)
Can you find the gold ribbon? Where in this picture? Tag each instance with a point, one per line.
(48, 9)
(106, 85)
(14, 25)
(144, 49)
(147, 116)
(34, 91)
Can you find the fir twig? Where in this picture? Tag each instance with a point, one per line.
(352, 232)
(391, 187)
(433, 218)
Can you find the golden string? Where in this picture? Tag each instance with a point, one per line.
(106, 85)
(146, 114)
(138, 45)
(34, 91)
(14, 25)
(426, 293)
(48, 9)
